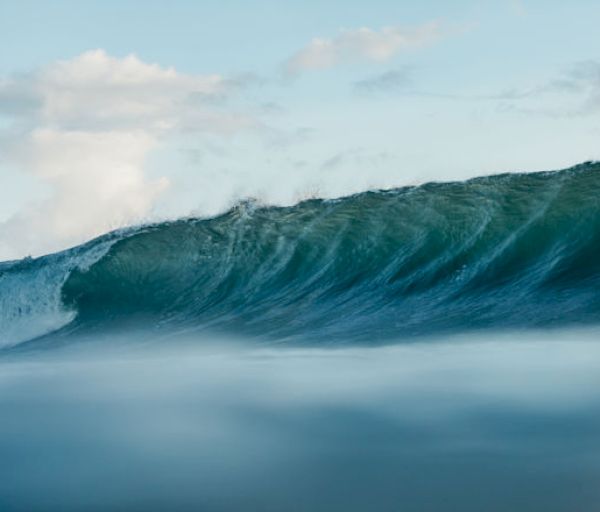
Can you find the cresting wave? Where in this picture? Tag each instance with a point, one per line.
(506, 251)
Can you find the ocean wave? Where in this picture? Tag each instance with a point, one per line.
(505, 251)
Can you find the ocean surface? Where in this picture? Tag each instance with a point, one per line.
(428, 348)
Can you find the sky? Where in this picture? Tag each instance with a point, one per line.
(122, 112)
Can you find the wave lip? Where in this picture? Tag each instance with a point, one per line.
(513, 250)
(31, 302)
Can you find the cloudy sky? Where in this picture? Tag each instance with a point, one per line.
(120, 112)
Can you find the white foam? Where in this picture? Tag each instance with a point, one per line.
(30, 294)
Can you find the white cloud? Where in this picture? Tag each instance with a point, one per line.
(97, 181)
(95, 91)
(361, 44)
(85, 127)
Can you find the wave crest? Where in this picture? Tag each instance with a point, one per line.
(513, 250)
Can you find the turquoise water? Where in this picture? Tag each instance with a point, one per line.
(424, 348)
(498, 424)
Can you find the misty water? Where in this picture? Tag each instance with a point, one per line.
(379, 352)
(482, 422)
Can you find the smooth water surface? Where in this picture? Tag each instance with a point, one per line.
(507, 422)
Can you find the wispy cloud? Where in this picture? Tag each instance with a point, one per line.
(584, 78)
(574, 93)
(361, 44)
(390, 81)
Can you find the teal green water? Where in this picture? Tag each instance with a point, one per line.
(506, 251)
(426, 349)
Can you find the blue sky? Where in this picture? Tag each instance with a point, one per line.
(237, 99)
(227, 36)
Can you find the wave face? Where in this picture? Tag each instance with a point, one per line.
(506, 251)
